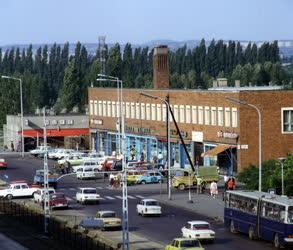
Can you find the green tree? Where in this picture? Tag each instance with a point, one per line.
(114, 62)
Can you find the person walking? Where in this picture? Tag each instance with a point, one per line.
(214, 189)
(231, 184)
(111, 179)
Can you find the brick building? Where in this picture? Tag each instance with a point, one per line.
(215, 130)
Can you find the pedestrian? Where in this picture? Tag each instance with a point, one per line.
(160, 158)
(142, 157)
(12, 146)
(231, 184)
(214, 189)
(199, 182)
(111, 179)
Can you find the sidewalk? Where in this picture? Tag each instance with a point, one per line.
(8, 244)
(203, 204)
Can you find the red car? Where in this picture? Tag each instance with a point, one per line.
(58, 200)
(3, 164)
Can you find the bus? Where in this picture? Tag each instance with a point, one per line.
(260, 215)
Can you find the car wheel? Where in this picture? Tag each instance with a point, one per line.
(232, 227)
(181, 187)
(142, 214)
(9, 197)
(251, 233)
(277, 241)
(143, 182)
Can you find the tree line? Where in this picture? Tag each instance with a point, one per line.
(54, 78)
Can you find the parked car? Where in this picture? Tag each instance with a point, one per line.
(86, 195)
(39, 151)
(3, 164)
(148, 207)
(150, 177)
(199, 230)
(18, 189)
(39, 194)
(184, 244)
(57, 200)
(109, 218)
(87, 173)
(134, 175)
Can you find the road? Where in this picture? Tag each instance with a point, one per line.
(160, 229)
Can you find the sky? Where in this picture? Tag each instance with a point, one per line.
(139, 21)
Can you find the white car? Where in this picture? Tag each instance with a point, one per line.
(148, 207)
(87, 173)
(88, 163)
(18, 189)
(63, 153)
(52, 153)
(87, 194)
(198, 229)
(39, 151)
(39, 194)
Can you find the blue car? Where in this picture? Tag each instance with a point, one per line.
(150, 177)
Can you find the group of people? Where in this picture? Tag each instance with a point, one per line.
(230, 184)
(114, 180)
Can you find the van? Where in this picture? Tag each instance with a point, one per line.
(88, 163)
(87, 172)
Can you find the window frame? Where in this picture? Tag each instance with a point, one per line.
(153, 112)
(207, 115)
(227, 111)
(132, 110)
(182, 114)
(194, 114)
(95, 107)
(220, 112)
(234, 121)
(200, 115)
(213, 116)
(148, 111)
(91, 107)
(142, 111)
(137, 111)
(290, 109)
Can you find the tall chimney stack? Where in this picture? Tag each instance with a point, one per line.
(161, 67)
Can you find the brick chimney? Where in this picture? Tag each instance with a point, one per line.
(161, 67)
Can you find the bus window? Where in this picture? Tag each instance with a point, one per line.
(290, 215)
(273, 211)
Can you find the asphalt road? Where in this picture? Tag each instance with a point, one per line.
(160, 229)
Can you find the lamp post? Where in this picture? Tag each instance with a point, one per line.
(242, 102)
(168, 138)
(21, 109)
(125, 232)
(282, 159)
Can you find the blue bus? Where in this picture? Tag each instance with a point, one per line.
(260, 215)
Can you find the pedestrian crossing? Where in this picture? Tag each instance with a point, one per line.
(114, 197)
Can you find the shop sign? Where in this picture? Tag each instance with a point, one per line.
(96, 122)
(227, 135)
(197, 136)
(243, 146)
(184, 134)
(141, 130)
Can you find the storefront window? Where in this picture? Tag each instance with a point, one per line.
(209, 160)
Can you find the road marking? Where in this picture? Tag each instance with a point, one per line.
(99, 188)
(109, 198)
(72, 189)
(130, 197)
(69, 199)
(139, 196)
(74, 198)
(119, 197)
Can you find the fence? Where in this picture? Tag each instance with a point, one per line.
(60, 231)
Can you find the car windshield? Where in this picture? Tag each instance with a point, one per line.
(108, 215)
(88, 170)
(190, 243)
(57, 196)
(290, 215)
(152, 203)
(89, 191)
(201, 226)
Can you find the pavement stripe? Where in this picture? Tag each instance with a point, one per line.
(140, 196)
(72, 189)
(99, 188)
(109, 198)
(119, 197)
(69, 199)
(131, 197)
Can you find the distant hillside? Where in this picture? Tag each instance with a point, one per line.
(286, 48)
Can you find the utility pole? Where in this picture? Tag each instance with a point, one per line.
(46, 180)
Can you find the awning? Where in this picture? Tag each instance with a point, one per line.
(217, 150)
(55, 132)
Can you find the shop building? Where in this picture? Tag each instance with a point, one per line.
(215, 130)
(69, 131)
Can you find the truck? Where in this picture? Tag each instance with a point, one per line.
(18, 189)
(39, 178)
(184, 178)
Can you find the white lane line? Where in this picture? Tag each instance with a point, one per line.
(119, 197)
(109, 198)
(140, 196)
(72, 189)
(99, 188)
(69, 199)
(101, 198)
(131, 197)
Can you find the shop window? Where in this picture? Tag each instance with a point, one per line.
(287, 120)
(95, 108)
(207, 115)
(142, 111)
(214, 116)
(148, 111)
(187, 110)
(100, 108)
(137, 111)
(220, 116)
(176, 112)
(109, 108)
(132, 110)
(91, 107)
(104, 108)
(159, 114)
(127, 110)
(153, 112)
(234, 118)
(200, 115)
(118, 109)
(227, 117)
(164, 109)
(194, 114)
(113, 109)
(182, 113)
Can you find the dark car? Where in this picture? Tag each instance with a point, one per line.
(58, 200)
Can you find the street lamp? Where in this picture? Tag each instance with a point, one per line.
(282, 159)
(168, 138)
(242, 102)
(21, 110)
(125, 233)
